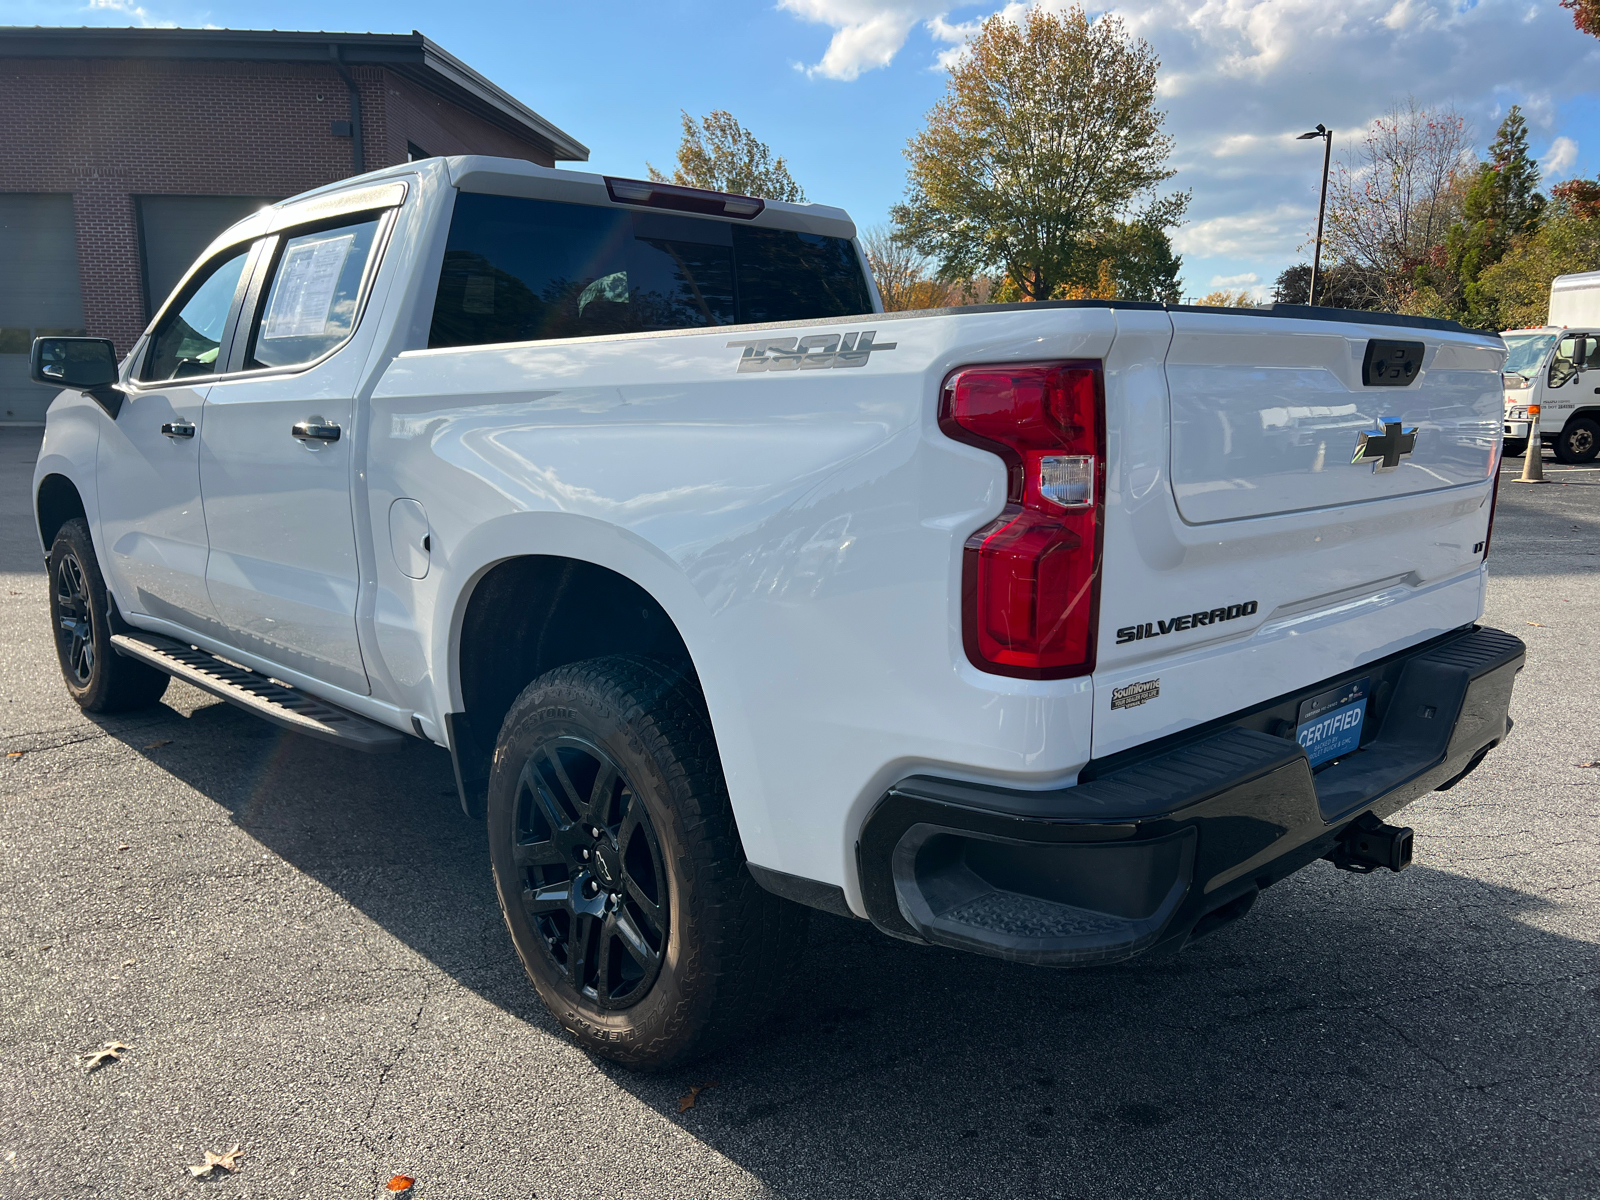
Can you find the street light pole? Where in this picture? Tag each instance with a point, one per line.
(1327, 154)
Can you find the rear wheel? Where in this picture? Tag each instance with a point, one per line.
(1516, 447)
(619, 868)
(97, 677)
(1579, 441)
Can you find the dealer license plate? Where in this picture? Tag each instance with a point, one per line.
(1330, 724)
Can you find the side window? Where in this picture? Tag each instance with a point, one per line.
(1562, 364)
(312, 295)
(187, 340)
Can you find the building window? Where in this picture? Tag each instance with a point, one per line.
(173, 230)
(415, 152)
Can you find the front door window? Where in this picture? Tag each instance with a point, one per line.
(186, 342)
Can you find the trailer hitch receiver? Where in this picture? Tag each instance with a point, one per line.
(1369, 844)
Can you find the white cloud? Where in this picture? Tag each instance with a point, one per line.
(1562, 154)
(138, 12)
(866, 35)
(1235, 281)
(1259, 234)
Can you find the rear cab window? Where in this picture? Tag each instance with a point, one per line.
(519, 269)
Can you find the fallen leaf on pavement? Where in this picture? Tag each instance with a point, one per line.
(14, 753)
(399, 1185)
(158, 745)
(124, 846)
(109, 1052)
(1596, 763)
(229, 1162)
(1535, 624)
(130, 962)
(685, 1103)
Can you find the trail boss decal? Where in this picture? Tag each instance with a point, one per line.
(1150, 629)
(814, 352)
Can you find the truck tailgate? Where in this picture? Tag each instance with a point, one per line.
(1246, 556)
(1266, 413)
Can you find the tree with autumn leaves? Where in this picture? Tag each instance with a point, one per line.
(721, 155)
(1038, 168)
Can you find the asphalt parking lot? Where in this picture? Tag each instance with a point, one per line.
(301, 949)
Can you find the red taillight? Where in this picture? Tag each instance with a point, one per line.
(1031, 578)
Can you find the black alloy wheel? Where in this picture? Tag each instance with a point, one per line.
(74, 623)
(619, 869)
(593, 878)
(97, 678)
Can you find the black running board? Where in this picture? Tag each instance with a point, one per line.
(259, 694)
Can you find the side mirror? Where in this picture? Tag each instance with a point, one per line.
(87, 364)
(75, 362)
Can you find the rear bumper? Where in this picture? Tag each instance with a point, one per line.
(1164, 843)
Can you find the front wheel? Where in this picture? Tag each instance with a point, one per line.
(97, 677)
(619, 868)
(1516, 447)
(1579, 441)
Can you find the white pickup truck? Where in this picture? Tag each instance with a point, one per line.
(1554, 368)
(1053, 632)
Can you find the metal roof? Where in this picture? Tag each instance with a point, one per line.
(408, 54)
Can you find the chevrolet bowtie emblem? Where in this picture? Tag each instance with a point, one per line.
(1384, 448)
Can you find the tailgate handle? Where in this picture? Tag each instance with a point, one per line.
(1389, 363)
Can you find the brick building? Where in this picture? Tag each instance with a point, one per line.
(124, 151)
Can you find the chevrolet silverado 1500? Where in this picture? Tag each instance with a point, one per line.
(1054, 632)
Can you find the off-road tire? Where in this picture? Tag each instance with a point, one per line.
(729, 946)
(1579, 441)
(97, 677)
(1515, 447)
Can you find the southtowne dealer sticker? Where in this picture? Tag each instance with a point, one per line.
(1135, 694)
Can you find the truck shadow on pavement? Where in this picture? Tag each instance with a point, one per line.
(1392, 1035)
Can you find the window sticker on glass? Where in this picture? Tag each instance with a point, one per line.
(303, 295)
(613, 287)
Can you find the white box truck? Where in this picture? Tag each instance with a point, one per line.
(1550, 367)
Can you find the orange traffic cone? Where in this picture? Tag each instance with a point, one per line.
(1533, 459)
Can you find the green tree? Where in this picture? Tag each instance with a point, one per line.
(1034, 159)
(721, 155)
(1139, 257)
(1515, 291)
(1502, 205)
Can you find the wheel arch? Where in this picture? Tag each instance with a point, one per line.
(527, 614)
(56, 501)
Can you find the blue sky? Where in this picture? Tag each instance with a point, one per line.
(837, 86)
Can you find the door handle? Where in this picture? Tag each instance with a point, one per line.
(177, 429)
(315, 431)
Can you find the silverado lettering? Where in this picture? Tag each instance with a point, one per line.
(1134, 633)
